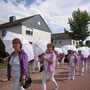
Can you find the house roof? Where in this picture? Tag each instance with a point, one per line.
(16, 22)
(59, 36)
(32, 23)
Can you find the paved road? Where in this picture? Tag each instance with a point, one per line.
(61, 75)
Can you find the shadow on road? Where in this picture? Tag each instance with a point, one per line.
(39, 81)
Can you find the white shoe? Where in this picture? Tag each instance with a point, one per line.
(56, 88)
(82, 74)
(4, 80)
(69, 78)
(73, 77)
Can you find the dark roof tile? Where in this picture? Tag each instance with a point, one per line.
(59, 36)
(16, 22)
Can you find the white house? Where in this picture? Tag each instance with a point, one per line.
(61, 39)
(33, 28)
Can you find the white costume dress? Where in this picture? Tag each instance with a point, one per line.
(16, 72)
(72, 67)
(80, 65)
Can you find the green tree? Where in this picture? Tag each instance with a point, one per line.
(79, 25)
(88, 43)
(2, 50)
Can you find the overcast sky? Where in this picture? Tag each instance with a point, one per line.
(54, 12)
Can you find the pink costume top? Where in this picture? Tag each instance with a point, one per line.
(72, 59)
(49, 66)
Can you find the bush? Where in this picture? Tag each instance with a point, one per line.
(2, 50)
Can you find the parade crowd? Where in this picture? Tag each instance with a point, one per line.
(18, 64)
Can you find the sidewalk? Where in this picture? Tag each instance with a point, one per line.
(61, 76)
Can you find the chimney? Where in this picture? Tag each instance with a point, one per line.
(12, 18)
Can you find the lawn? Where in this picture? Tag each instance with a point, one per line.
(2, 66)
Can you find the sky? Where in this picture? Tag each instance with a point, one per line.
(54, 12)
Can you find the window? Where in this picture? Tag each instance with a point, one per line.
(28, 32)
(39, 23)
(55, 42)
(73, 42)
(4, 32)
(77, 43)
(60, 42)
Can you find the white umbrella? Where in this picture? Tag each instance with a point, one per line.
(87, 48)
(84, 51)
(64, 51)
(39, 47)
(58, 50)
(25, 44)
(69, 47)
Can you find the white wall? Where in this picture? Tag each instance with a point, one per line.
(15, 29)
(74, 43)
(37, 34)
(63, 42)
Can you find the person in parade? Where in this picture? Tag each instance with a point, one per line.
(17, 65)
(80, 63)
(62, 58)
(49, 66)
(57, 58)
(72, 64)
(88, 62)
(36, 62)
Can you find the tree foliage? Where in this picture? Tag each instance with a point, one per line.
(2, 50)
(88, 42)
(79, 25)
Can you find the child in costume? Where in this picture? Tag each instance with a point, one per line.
(80, 63)
(72, 64)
